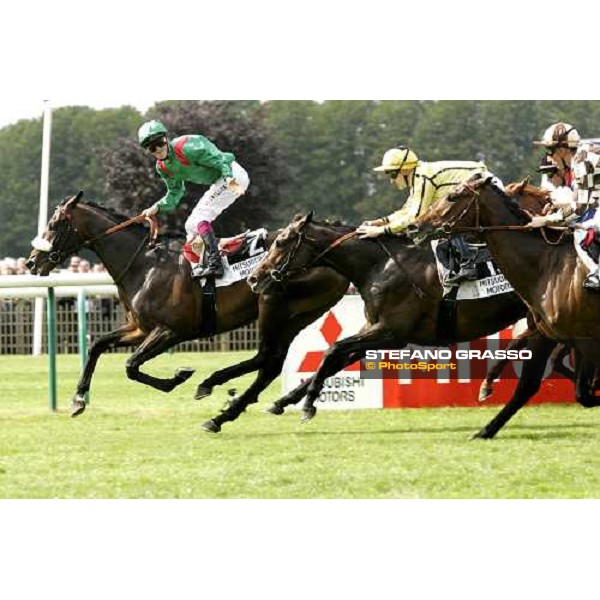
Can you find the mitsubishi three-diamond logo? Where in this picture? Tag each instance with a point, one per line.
(331, 330)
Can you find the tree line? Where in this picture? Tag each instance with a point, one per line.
(300, 155)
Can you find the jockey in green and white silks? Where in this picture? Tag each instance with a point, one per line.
(194, 158)
(428, 182)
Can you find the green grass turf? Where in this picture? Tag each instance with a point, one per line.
(135, 442)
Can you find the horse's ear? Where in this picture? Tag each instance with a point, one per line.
(521, 185)
(305, 221)
(75, 199)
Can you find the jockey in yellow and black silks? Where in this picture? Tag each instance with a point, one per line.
(428, 182)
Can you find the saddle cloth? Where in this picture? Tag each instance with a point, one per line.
(490, 281)
(240, 255)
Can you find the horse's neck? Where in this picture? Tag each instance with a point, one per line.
(117, 251)
(356, 260)
(524, 257)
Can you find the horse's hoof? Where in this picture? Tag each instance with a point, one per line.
(184, 374)
(274, 409)
(211, 426)
(308, 414)
(77, 406)
(202, 392)
(483, 434)
(484, 393)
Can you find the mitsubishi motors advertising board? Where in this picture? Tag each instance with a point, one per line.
(389, 388)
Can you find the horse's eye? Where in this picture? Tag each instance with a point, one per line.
(279, 244)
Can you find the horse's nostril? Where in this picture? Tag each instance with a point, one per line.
(252, 279)
(30, 264)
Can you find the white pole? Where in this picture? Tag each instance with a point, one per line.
(43, 218)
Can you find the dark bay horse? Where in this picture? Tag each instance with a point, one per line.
(164, 306)
(542, 267)
(399, 284)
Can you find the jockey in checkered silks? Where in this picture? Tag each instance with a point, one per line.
(573, 178)
(194, 158)
(427, 182)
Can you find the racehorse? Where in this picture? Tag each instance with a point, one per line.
(164, 306)
(399, 284)
(541, 265)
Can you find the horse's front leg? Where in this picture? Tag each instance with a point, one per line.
(529, 384)
(337, 356)
(126, 335)
(293, 397)
(158, 341)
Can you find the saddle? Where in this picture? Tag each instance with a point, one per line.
(238, 248)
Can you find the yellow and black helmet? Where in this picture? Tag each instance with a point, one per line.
(398, 159)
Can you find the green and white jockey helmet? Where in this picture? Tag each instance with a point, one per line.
(150, 131)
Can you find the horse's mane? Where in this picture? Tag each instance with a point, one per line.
(336, 225)
(113, 214)
(117, 216)
(515, 189)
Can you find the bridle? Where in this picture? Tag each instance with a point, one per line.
(283, 272)
(66, 228)
(450, 227)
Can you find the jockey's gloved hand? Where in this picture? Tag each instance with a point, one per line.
(376, 222)
(542, 220)
(564, 197)
(150, 212)
(370, 231)
(234, 186)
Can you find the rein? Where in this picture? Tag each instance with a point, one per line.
(281, 272)
(451, 228)
(152, 222)
(57, 256)
(332, 246)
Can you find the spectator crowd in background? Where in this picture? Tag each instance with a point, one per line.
(16, 266)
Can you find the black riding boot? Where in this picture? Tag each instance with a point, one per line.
(466, 271)
(214, 263)
(592, 282)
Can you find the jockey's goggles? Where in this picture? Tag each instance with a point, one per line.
(393, 174)
(154, 145)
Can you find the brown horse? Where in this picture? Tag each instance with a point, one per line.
(545, 272)
(399, 285)
(542, 266)
(164, 306)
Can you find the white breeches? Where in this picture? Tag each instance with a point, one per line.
(216, 199)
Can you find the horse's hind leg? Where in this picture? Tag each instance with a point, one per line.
(126, 335)
(224, 375)
(158, 341)
(337, 357)
(529, 384)
(278, 407)
(585, 383)
(269, 371)
(487, 385)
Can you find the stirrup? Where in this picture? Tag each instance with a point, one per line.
(592, 282)
(464, 274)
(199, 271)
